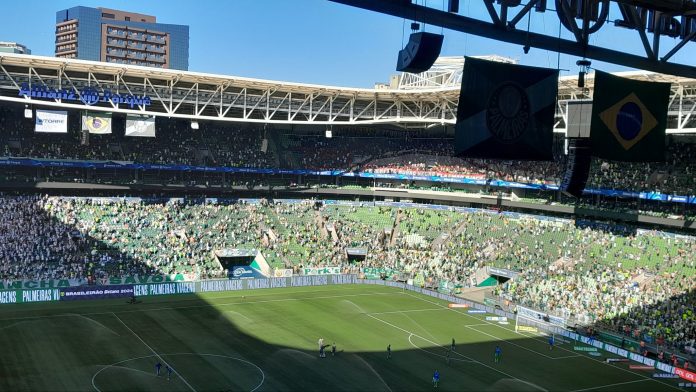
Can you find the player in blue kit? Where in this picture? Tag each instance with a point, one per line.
(436, 378)
(498, 353)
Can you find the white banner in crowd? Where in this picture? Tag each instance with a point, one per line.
(51, 121)
(141, 126)
(97, 123)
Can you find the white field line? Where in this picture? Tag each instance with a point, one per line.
(644, 377)
(608, 385)
(514, 344)
(408, 311)
(208, 305)
(432, 353)
(472, 359)
(155, 352)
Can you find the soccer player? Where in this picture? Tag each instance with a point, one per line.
(447, 355)
(333, 349)
(158, 366)
(498, 352)
(169, 372)
(551, 342)
(389, 351)
(436, 378)
(452, 348)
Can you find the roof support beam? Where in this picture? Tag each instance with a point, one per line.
(492, 30)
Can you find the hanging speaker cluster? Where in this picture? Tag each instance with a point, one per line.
(420, 53)
(577, 169)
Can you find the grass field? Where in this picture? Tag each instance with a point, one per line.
(266, 340)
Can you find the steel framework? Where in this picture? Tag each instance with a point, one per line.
(672, 18)
(224, 98)
(422, 100)
(445, 72)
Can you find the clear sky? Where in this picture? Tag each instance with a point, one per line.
(310, 41)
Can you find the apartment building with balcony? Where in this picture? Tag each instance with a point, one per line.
(114, 36)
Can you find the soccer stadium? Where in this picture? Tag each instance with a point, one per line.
(475, 224)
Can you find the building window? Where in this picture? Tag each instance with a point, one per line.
(108, 15)
(127, 18)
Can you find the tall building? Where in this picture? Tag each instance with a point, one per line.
(113, 36)
(13, 47)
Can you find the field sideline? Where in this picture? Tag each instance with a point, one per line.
(266, 340)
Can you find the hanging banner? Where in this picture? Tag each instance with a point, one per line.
(141, 279)
(321, 271)
(51, 121)
(140, 126)
(40, 284)
(282, 272)
(97, 123)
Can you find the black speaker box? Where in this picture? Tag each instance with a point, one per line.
(420, 53)
(577, 169)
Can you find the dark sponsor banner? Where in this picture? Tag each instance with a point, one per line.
(41, 295)
(9, 296)
(244, 272)
(506, 273)
(96, 292)
(164, 288)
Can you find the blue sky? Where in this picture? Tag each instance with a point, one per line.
(310, 41)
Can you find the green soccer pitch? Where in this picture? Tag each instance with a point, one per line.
(267, 340)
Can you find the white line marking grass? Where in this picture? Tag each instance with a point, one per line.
(609, 385)
(437, 355)
(644, 377)
(155, 352)
(208, 305)
(464, 356)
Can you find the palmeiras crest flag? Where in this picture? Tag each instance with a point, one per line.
(506, 111)
(629, 119)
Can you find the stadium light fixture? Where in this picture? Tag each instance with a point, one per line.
(584, 65)
(27, 112)
(194, 125)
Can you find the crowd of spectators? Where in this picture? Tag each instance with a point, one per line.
(618, 277)
(233, 146)
(374, 151)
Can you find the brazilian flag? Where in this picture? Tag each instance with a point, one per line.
(629, 119)
(506, 111)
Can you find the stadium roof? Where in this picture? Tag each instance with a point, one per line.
(202, 96)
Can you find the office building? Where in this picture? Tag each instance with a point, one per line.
(113, 36)
(13, 47)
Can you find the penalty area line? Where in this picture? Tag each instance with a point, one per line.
(562, 348)
(609, 385)
(461, 355)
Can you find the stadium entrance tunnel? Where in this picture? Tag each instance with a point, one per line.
(268, 339)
